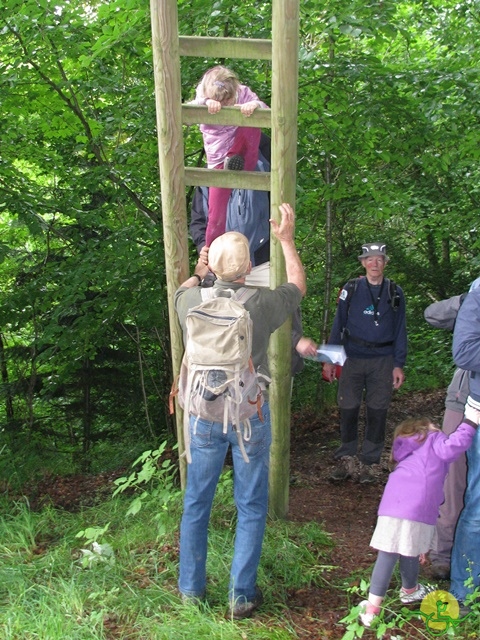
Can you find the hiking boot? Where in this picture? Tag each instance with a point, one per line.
(418, 595)
(234, 163)
(243, 608)
(345, 469)
(464, 610)
(366, 618)
(440, 571)
(367, 475)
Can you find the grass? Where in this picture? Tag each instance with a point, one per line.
(59, 581)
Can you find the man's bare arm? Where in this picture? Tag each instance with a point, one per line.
(284, 232)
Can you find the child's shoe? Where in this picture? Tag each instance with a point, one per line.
(366, 618)
(234, 163)
(418, 595)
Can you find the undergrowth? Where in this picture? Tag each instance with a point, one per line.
(110, 571)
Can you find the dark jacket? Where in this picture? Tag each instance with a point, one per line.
(354, 324)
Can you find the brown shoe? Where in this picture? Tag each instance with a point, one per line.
(345, 469)
(366, 475)
(243, 608)
(440, 571)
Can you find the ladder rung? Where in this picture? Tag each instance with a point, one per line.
(246, 48)
(256, 180)
(197, 114)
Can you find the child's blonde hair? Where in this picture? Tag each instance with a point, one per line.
(220, 83)
(419, 427)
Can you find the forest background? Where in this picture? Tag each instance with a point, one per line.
(388, 150)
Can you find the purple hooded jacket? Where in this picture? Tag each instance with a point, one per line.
(414, 490)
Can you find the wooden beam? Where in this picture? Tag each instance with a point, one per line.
(197, 114)
(256, 180)
(285, 29)
(166, 69)
(244, 48)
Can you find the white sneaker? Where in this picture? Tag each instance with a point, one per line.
(366, 618)
(418, 595)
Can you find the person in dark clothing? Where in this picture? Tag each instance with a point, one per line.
(371, 325)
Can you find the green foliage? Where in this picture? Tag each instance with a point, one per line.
(392, 618)
(355, 629)
(387, 149)
(84, 355)
(156, 480)
(92, 534)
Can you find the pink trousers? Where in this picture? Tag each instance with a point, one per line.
(247, 140)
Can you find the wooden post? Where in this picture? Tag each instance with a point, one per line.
(166, 61)
(283, 168)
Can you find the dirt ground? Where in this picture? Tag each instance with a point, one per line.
(347, 511)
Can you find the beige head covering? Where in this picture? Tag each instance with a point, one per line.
(229, 256)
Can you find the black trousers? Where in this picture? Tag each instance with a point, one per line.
(372, 378)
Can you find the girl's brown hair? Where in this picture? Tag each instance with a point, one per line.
(220, 83)
(419, 427)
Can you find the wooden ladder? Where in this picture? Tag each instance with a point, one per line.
(168, 46)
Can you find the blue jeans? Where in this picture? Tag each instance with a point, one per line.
(209, 446)
(466, 546)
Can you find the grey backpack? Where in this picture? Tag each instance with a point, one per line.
(217, 378)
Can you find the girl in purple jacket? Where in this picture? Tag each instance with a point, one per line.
(408, 511)
(226, 146)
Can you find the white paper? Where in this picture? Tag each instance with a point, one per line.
(331, 353)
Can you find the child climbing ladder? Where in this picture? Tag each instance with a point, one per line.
(227, 146)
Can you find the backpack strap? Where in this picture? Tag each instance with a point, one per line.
(351, 287)
(244, 294)
(241, 295)
(186, 417)
(393, 294)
